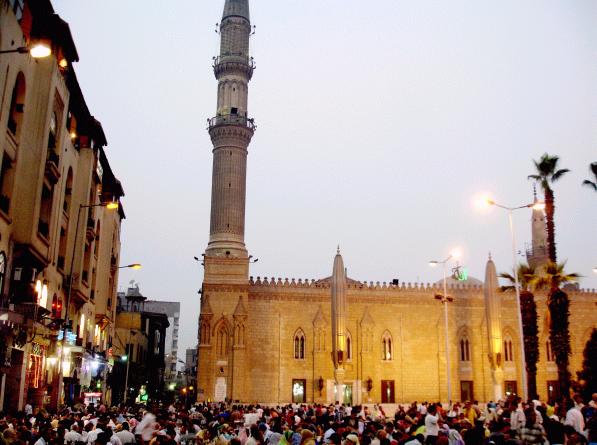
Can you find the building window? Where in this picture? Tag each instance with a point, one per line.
(299, 393)
(466, 391)
(348, 346)
(465, 351)
(508, 355)
(222, 342)
(157, 339)
(548, 352)
(45, 212)
(387, 391)
(17, 106)
(56, 307)
(386, 343)
(299, 345)
(2, 273)
(6, 183)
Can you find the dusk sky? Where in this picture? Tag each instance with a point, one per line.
(378, 123)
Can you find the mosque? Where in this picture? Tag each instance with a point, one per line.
(336, 339)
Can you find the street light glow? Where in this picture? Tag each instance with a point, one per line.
(539, 205)
(40, 51)
(456, 253)
(113, 205)
(433, 263)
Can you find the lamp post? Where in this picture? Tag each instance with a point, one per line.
(37, 51)
(112, 205)
(445, 299)
(135, 266)
(535, 206)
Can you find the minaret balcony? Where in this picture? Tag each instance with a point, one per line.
(233, 63)
(231, 119)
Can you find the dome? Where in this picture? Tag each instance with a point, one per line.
(451, 281)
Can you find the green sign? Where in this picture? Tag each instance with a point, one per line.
(461, 274)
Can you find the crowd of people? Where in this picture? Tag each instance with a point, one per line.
(509, 422)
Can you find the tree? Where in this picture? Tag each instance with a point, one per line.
(558, 305)
(588, 375)
(547, 174)
(530, 328)
(592, 183)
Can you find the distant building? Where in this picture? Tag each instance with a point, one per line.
(191, 365)
(172, 310)
(141, 337)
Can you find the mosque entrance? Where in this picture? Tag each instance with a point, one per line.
(387, 391)
(348, 394)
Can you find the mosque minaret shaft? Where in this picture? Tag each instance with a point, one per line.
(339, 314)
(231, 131)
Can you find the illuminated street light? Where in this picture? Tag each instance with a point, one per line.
(537, 205)
(135, 266)
(37, 51)
(455, 254)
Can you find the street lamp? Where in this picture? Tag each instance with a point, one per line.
(37, 51)
(445, 299)
(537, 205)
(112, 205)
(135, 266)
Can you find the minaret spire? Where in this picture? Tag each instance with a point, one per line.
(493, 310)
(231, 131)
(339, 314)
(537, 255)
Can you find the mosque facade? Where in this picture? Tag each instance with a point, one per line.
(273, 340)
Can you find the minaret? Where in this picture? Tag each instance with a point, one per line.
(493, 309)
(231, 131)
(339, 323)
(538, 255)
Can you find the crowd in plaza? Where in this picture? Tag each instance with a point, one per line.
(509, 422)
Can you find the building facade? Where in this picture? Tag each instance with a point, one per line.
(172, 310)
(273, 340)
(59, 243)
(139, 350)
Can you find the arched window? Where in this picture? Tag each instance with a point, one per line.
(17, 106)
(548, 352)
(465, 350)
(222, 340)
(387, 347)
(53, 131)
(157, 340)
(299, 345)
(508, 355)
(348, 346)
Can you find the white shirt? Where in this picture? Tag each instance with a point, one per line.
(431, 425)
(126, 437)
(92, 436)
(517, 419)
(575, 419)
(73, 436)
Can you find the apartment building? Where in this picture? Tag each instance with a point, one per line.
(60, 217)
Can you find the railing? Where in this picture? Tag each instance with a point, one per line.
(234, 58)
(231, 119)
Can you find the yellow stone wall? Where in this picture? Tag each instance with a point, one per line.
(263, 368)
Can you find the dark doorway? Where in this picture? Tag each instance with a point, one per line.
(387, 391)
(466, 391)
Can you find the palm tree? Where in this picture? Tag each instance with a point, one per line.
(592, 184)
(530, 329)
(558, 305)
(547, 174)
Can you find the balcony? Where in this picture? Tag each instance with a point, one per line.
(234, 63)
(52, 163)
(231, 119)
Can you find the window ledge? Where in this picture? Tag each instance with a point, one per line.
(43, 239)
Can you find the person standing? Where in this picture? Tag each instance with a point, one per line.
(431, 425)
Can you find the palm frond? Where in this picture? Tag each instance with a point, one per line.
(590, 184)
(593, 168)
(557, 175)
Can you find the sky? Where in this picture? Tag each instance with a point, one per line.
(378, 125)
